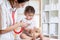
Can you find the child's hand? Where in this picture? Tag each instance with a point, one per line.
(24, 24)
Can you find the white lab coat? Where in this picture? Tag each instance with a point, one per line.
(6, 20)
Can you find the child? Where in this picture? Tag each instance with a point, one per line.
(30, 32)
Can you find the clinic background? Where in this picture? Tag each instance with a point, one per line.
(47, 14)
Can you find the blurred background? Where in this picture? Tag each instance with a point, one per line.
(51, 18)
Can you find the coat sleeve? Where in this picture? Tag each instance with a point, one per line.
(0, 18)
(3, 17)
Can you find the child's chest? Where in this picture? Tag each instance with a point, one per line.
(31, 25)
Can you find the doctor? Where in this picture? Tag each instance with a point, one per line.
(8, 18)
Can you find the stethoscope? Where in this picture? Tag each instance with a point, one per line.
(21, 29)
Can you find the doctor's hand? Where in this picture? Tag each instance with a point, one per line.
(24, 24)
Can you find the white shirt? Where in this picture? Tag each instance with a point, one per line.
(32, 23)
(6, 20)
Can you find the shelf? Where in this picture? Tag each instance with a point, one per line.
(49, 22)
(55, 37)
(50, 18)
(46, 35)
(45, 2)
(53, 1)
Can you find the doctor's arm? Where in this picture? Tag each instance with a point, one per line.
(12, 27)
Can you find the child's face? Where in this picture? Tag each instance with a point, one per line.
(29, 16)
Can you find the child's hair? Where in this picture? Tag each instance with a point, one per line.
(21, 1)
(29, 9)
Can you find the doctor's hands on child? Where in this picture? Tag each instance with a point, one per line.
(13, 27)
(22, 24)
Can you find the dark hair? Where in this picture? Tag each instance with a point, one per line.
(29, 9)
(21, 1)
